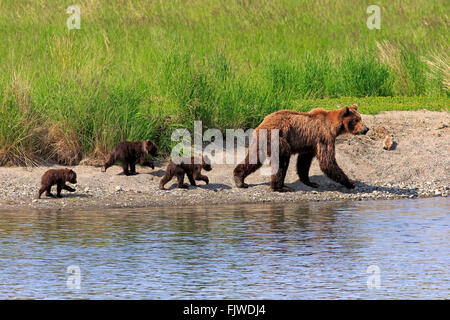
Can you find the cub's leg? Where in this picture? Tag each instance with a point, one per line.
(67, 188)
(191, 179)
(59, 187)
(200, 177)
(133, 168)
(125, 167)
(166, 178)
(180, 178)
(48, 193)
(144, 162)
(41, 191)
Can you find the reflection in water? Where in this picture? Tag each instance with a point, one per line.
(297, 251)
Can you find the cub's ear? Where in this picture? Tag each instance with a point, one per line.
(354, 106)
(345, 111)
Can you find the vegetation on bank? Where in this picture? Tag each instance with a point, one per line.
(139, 69)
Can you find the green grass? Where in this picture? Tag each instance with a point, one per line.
(139, 69)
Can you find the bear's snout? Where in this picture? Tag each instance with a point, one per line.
(364, 130)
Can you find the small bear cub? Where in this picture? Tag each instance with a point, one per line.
(190, 168)
(129, 153)
(58, 177)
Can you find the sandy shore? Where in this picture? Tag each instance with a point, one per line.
(419, 166)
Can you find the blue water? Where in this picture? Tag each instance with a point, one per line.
(308, 250)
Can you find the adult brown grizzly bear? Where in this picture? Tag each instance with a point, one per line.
(129, 153)
(58, 177)
(310, 134)
(190, 168)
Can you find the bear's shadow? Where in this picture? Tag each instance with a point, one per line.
(68, 196)
(157, 173)
(211, 186)
(326, 184)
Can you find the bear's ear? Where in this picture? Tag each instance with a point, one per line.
(345, 111)
(354, 106)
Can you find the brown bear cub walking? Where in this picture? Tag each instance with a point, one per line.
(188, 167)
(58, 177)
(129, 153)
(310, 134)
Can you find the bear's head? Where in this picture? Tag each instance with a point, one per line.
(351, 120)
(206, 163)
(150, 148)
(71, 176)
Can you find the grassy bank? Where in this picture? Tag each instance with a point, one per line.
(139, 69)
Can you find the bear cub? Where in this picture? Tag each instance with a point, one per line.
(58, 177)
(129, 153)
(188, 167)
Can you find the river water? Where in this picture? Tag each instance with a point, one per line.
(309, 250)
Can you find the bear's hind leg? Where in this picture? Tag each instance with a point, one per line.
(277, 180)
(166, 178)
(133, 168)
(125, 168)
(242, 170)
(41, 191)
(48, 192)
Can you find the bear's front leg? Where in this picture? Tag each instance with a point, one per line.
(191, 179)
(303, 165)
(329, 166)
(144, 162)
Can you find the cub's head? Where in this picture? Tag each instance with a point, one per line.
(206, 163)
(150, 148)
(351, 120)
(71, 176)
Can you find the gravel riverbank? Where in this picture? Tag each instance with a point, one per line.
(418, 166)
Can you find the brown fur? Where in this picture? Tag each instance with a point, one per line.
(129, 153)
(188, 167)
(311, 134)
(58, 177)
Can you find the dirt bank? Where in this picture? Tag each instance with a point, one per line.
(419, 166)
